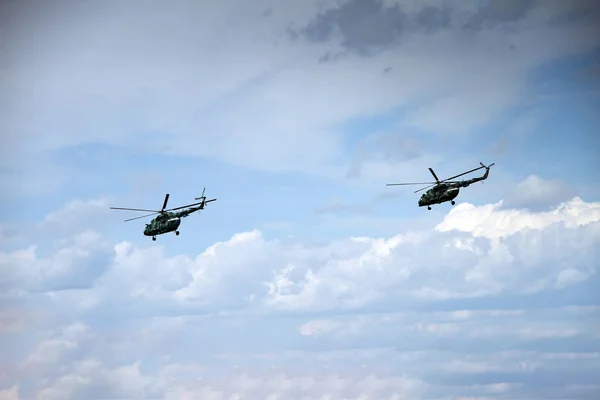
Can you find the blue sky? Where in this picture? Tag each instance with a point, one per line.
(308, 277)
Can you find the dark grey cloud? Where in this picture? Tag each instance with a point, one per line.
(364, 26)
(494, 12)
(430, 19)
(581, 11)
(268, 12)
(370, 26)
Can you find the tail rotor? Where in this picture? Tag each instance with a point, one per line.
(203, 200)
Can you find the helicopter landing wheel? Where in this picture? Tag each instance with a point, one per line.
(453, 202)
(177, 233)
(153, 238)
(429, 207)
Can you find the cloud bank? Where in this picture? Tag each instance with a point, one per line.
(396, 317)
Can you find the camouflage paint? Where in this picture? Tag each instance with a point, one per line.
(163, 224)
(438, 195)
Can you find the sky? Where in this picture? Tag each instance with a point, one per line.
(308, 278)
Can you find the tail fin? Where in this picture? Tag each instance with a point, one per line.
(487, 170)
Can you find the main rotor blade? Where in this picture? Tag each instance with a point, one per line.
(143, 216)
(434, 175)
(426, 187)
(417, 183)
(134, 209)
(464, 173)
(179, 208)
(441, 183)
(165, 203)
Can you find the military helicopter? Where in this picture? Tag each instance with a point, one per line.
(445, 190)
(167, 221)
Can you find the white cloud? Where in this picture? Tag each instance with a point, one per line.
(491, 221)
(53, 349)
(474, 251)
(419, 329)
(349, 374)
(91, 378)
(340, 328)
(534, 191)
(12, 320)
(328, 386)
(77, 213)
(76, 263)
(570, 276)
(10, 394)
(348, 371)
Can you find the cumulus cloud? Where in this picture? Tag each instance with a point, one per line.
(79, 260)
(485, 250)
(57, 347)
(68, 219)
(491, 221)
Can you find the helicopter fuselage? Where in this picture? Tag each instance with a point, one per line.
(438, 194)
(162, 225)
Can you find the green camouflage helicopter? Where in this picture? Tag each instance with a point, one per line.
(445, 190)
(167, 220)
